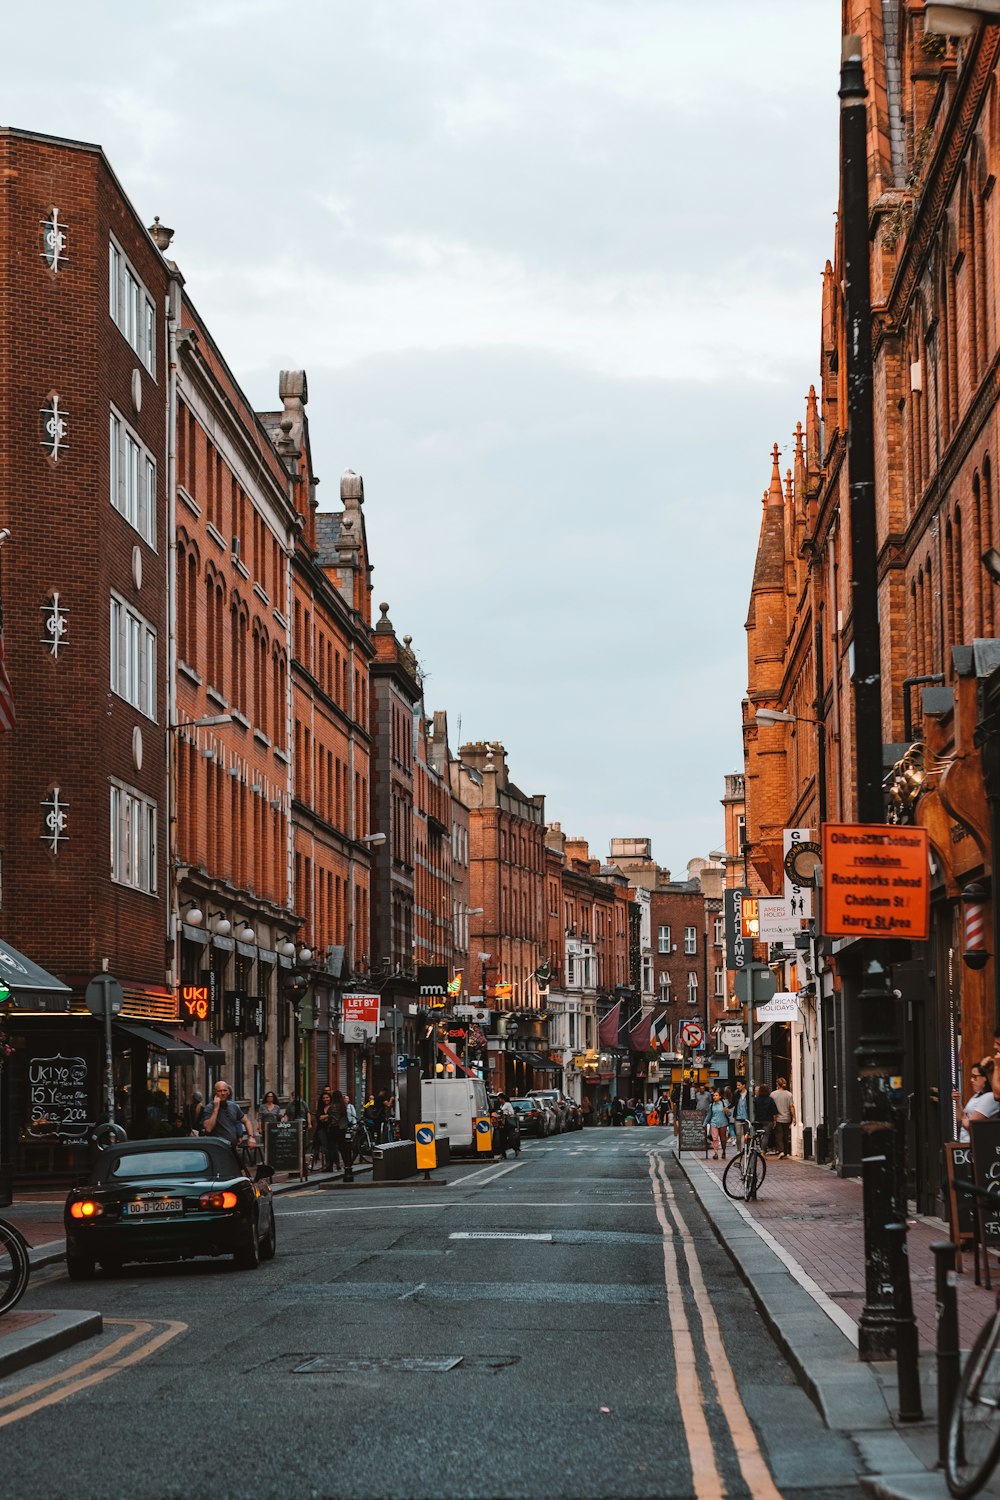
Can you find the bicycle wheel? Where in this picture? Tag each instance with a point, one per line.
(974, 1425)
(362, 1145)
(15, 1267)
(753, 1174)
(732, 1177)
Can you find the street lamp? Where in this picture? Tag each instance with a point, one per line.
(766, 717)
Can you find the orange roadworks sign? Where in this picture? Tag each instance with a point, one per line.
(426, 1147)
(484, 1133)
(876, 881)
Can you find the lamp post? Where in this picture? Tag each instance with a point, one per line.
(886, 1325)
(766, 717)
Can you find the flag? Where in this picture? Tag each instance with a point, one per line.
(543, 973)
(455, 985)
(638, 1037)
(8, 718)
(659, 1032)
(607, 1032)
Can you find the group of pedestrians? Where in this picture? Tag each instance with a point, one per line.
(727, 1116)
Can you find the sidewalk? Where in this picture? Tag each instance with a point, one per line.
(30, 1335)
(800, 1250)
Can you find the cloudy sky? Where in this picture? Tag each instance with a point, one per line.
(553, 269)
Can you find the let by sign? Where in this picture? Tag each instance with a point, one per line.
(195, 1001)
(876, 881)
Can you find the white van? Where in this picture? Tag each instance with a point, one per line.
(451, 1105)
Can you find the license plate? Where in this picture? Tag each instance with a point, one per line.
(155, 1206)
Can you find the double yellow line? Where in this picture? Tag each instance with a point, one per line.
(138, 1342)
(708, 1482)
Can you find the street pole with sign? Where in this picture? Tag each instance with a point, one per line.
(105, 998)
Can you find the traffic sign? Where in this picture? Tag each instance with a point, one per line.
(484, 1133)
(876, 881)
(104, 995)
(692, 1034)
(426, 1149)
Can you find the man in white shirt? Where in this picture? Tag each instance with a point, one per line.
(784, 1119)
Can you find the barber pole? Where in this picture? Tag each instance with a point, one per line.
(975, 955)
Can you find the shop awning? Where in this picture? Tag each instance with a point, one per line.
(176, 1051)
(28, 980)
(536, 1060)
(209, 1050)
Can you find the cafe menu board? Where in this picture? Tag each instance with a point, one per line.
(961, 1206)
(986, 1174)
(876, 881)
(59, 1097)
(691, 1131)
(283, 1147)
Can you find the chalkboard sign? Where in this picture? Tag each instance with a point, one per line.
(986, 1174)
(284, 1147)
(59, 1097)
(961, 1206)
(691, 1133)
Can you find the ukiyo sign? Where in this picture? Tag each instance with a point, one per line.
(876, 881)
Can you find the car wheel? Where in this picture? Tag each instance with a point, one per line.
(80, 1267)
(248, 1256)
(270, 1242)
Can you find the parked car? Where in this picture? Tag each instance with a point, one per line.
(555, 1102)
(169, 1199)
(533, 1115)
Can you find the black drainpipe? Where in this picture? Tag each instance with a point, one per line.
(908, 683)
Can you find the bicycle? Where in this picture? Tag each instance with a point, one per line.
(973, 1445)
(747, 1170)
(363, 1143)
(15, 1266)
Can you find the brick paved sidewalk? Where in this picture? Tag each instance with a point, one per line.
(814, 1217)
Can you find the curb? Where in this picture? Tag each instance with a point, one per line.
(61, 1330)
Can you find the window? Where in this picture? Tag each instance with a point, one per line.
(720, 984)
(131, 307)
(133, 658)
(690, 940)
(717, 930)
(133, 480)
(647, 974)
(133, 839)
(663, 940)
(692, 988)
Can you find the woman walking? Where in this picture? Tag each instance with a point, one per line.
(718, 1124)
(322, 1139)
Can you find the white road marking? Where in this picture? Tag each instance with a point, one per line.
(497, 1234)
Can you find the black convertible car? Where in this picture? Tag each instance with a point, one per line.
(168, 1200)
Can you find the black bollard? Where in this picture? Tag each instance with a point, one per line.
(907, 1346)
(948, 1361)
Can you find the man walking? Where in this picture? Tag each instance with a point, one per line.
(784, 1119)
(741, 1113)
(223, 1117)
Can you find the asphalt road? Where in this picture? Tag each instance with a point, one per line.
(563, 1327)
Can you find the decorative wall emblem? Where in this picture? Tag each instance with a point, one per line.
(53, 428)
(55, 812)
(56, 624)
(53, 241)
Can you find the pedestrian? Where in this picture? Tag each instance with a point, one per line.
(639, 1112)
(225, 1118)
(703, 1103)
(322, 1146)
(718, 1124)
(586, 1108)
(191, 1116)
(663, 1106)
(269, 1113)
(764, 1111)
(981, 1104)
(741, 1113)
(352, 1115)
(341, 1147)
(509, 1138)
(785, 1118)
(617, 1110)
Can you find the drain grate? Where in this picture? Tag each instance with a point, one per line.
(499, 1234)
(417, 1364)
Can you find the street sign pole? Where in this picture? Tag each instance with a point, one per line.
(105, 998)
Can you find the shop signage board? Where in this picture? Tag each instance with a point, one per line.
(360, 1018)
(799, 897)
(985, 1136)
(876, 881)
(691, 1131)
(284, 1146)
(777, 920)
(782, 1006)
(738, 950)
(196, 1002)
(59, 1097)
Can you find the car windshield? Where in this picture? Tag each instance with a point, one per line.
(188, 1161)
(524, 1104)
